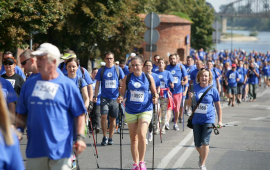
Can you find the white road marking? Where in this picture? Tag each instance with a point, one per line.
(180, 162)
(257, 118)
(164, 162)
(231, 123)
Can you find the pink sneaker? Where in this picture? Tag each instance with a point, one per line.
(142, 165)
(135, 167)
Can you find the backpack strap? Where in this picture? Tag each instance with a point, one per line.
(101, 74)
(82, 71)
(62, 66)
(117, 71)
(80, 84)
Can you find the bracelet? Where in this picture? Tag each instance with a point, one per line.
(80, 137)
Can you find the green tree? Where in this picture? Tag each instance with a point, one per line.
(19, 18)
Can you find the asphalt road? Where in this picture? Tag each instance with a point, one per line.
(243, 147)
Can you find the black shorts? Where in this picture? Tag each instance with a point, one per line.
(240, 88)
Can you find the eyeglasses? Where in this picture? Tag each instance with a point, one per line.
(136, 65)
(8, 63)
(109, 58)
(24, 62)
(204, 69)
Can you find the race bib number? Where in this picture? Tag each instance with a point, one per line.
(136, 96)
(175, 79)
(162, 84)
(202, 108)
(232, 76)
(45, 90)
(12, 81)
(110, 84)
(188, 77)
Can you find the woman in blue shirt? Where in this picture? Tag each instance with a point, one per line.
(11, 158)
(266, 73)
(204, 115)
(138, 109)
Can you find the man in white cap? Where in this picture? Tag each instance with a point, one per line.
(51, 103)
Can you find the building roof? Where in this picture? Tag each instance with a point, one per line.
(169, 19)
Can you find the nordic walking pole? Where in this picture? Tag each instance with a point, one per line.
(95, 154)
(159, 126)
(120, 126)
(153, 127)
(183, 110)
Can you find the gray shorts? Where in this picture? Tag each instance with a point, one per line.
(232, 90)
(109, 107)
(240, 88)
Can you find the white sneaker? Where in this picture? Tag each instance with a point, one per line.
(150, 136)
(203, 167)
(118, 130)
(175, 127)
(146, 141)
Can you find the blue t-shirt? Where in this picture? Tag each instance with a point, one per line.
(189, 70)
(18, 70)
(11, 158)
(185, 86)
(201, 55)
(78, 72)
(232, 76)
(51, 107)
(8, 91)
(138, 99)
(178, 72)
(109, 83)
(165, 78)
(205, 113)
(155, 68)
(225, 61)
(215, 76)
(193, 76)
(125, 70)
(156, 79)
(252, 78)
(242, 73)
(99, 92)
(266, 70)
(76, 81)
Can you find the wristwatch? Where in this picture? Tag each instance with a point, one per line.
(80, 137)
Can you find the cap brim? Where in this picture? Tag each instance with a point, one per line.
(38, 53)
(68, 56)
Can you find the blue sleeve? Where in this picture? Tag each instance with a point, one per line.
(98, 76)
(16, 160)
(184, 71)
(215, 95)
(76, 105)
(11, 96)
(170, 77)
(84, 83)
(87, 77)
(192, 75)
(227, 74)
(21, 107)
(126, 71)
(19, 71)
(121, 74)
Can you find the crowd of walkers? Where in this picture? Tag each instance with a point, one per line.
(55, 102)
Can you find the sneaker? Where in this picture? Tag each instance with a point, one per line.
(167, 126)
(110, 142)
(229, 103)
(163, 131)
(104, 141)
(200, 161)
(238, 101)
(203, 167)
(150, 136)
(146, 141)
(186, 112)
(142, 165)
(118, 130)
(180, 120)
(156, 132)
(135, 167)
(175, 127)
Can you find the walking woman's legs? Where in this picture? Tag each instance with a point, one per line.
(141, 132)
(134, 141)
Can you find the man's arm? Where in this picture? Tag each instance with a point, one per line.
(90, 92)
(80, 125)
(11, 107)
(96, 91)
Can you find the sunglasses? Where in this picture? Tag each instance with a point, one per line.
(24, 62)
(205, 69)
(8, 63)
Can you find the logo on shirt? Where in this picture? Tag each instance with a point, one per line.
(160, 76)
(173, 71)
(137, 85)
(109, 74)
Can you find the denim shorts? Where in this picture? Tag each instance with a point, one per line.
(201, 134)
(109, 107)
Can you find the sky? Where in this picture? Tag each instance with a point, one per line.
(217, 3)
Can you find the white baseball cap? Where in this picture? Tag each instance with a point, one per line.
(46, 48)
(132, 54)
(102, 63)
